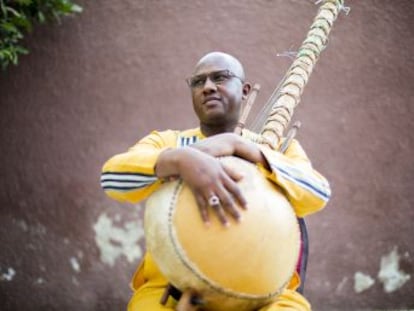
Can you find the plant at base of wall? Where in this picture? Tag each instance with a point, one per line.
(17, 18)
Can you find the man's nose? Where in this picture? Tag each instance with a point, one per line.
(209, 86)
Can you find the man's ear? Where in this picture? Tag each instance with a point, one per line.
(246, 89)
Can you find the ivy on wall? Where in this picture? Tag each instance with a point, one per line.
(17, 18)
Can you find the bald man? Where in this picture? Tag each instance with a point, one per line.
(218, 88)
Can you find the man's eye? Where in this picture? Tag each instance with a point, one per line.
(220, 77)
(197, 81)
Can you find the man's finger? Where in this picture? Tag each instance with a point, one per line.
(203, 208)
(189, 301)
(218, 209)
(233, 188)
(228, 204)
(232, 173)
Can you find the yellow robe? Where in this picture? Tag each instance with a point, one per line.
(130, 177)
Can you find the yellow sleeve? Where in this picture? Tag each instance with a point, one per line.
(289, 299)
(130, 176)
(307, 190)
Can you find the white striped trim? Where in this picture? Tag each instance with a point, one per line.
(317, 186)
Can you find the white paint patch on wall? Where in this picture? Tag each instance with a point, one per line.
(341, 285)
(75, 264)
(8, 275)
(114, 241)
(39, 281)
(390, 274)
(362, 282)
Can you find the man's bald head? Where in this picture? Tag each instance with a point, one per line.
(218, 89)
(223, 60)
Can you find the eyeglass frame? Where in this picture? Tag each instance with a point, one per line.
(229, 74)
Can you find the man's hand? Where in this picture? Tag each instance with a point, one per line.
(207, 177)
(189, 301)
(229, 144)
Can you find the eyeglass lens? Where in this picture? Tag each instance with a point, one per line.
(216, 77)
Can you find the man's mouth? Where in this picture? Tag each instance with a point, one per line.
(209, 100)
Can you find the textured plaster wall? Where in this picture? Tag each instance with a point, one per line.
(96, 83)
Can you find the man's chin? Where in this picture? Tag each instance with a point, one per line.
(218, 121)
(215, 115)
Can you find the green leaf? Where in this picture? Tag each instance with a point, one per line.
(24, 2)
(64, 7)
(76, 8)
(14, 59)
(7, 54)
(21, 50)
(22, 22)
(17, 18)
(9, 27)
(11, 10)
(41, 17)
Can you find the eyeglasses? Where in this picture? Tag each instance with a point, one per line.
(217, 77)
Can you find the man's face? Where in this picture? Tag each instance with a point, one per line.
(217, 92)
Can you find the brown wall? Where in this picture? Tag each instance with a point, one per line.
(96, 83)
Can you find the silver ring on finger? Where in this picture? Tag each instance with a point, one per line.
(214, 200)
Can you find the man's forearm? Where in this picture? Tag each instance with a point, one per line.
(167, 163)
(170, 161)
